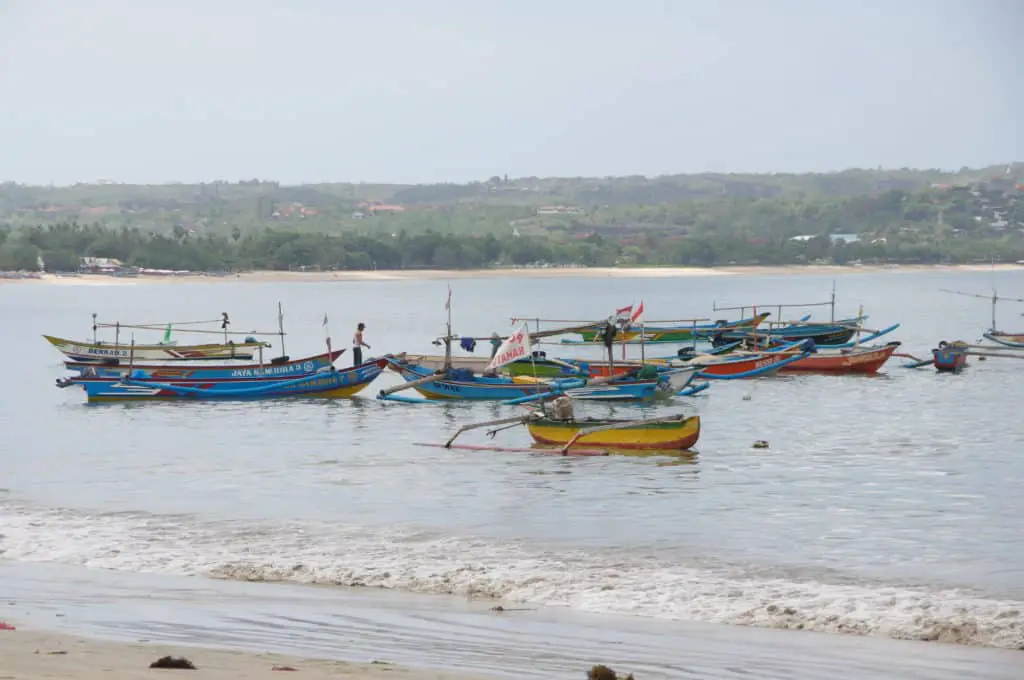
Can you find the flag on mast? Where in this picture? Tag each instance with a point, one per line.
(638, 314)
(448, 302)
(515, 347)
(622, 315)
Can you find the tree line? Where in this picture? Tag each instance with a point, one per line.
(60, 247)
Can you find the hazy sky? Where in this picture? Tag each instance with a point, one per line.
(453, 90)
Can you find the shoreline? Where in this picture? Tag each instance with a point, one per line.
(229, 630)
(271, 276)
(30, 653)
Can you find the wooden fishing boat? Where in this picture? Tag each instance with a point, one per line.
(542, 366)
(274, 369)
(466, 385)
(326, 382)
(103, 352)
(461, 383)
(862, 360)
(679, 433)
(555, 424)
(1014, 340)
(950, 357)
(677, 333)
(436, 362)
(726, 367)
(709, 366)
(826, 333)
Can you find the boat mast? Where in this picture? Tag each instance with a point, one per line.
(327, 338)
(94, 328)
(994, 298)
(834, 301)
(448, 332)
(280, 325)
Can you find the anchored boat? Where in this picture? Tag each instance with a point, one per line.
(102, 352)
(99, 351)
(556, 425)
(280, 367)
(326, 381)
(1013, 340)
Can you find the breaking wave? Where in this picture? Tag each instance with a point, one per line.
(330, 554)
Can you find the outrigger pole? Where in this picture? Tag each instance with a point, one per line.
(831, 303)
(995, 298)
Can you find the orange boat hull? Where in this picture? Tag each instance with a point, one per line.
(865, 361)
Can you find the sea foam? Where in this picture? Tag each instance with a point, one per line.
(336, 554)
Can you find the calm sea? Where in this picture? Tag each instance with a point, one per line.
(887, 505)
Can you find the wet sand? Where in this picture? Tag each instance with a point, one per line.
(28, 654)
(448, 634)
(535, 273)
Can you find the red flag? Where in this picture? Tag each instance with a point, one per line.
(638, 314)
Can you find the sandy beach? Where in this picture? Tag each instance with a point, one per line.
(525, 272)
(28, 655)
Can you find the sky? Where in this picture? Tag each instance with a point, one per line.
(411, 91)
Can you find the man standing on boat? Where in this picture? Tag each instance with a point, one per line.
(358, 344)
(608, 338)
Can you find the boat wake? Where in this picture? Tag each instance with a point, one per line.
(330, 554)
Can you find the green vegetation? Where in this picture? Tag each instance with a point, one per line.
(900, 216)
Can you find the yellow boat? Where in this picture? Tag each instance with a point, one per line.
(679, 433)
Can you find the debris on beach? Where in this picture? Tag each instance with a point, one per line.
(6, 626)
(283, 668)
(178, 662)
(600, 672)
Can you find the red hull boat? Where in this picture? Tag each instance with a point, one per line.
(861, 360)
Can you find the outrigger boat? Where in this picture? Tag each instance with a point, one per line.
(708, 366)
(310, 377)
(1013, 340)
(98, 351)
(102, 352)
(557, 425)
(326, 381)
(671, 334)
(824, 333)
(275, 368)
(832, 332)
(951, 357)
(460, 383)
(863, 360)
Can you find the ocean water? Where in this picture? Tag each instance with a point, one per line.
(886, 506)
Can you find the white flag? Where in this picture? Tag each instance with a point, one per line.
(515, 347)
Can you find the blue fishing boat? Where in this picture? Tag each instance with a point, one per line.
(326, 381)
(281, 368)
(950, 357)
(462, 383)
(825, 333)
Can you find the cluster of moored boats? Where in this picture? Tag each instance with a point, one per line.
(512, 373)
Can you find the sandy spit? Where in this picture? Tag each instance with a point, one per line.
(532, 273)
